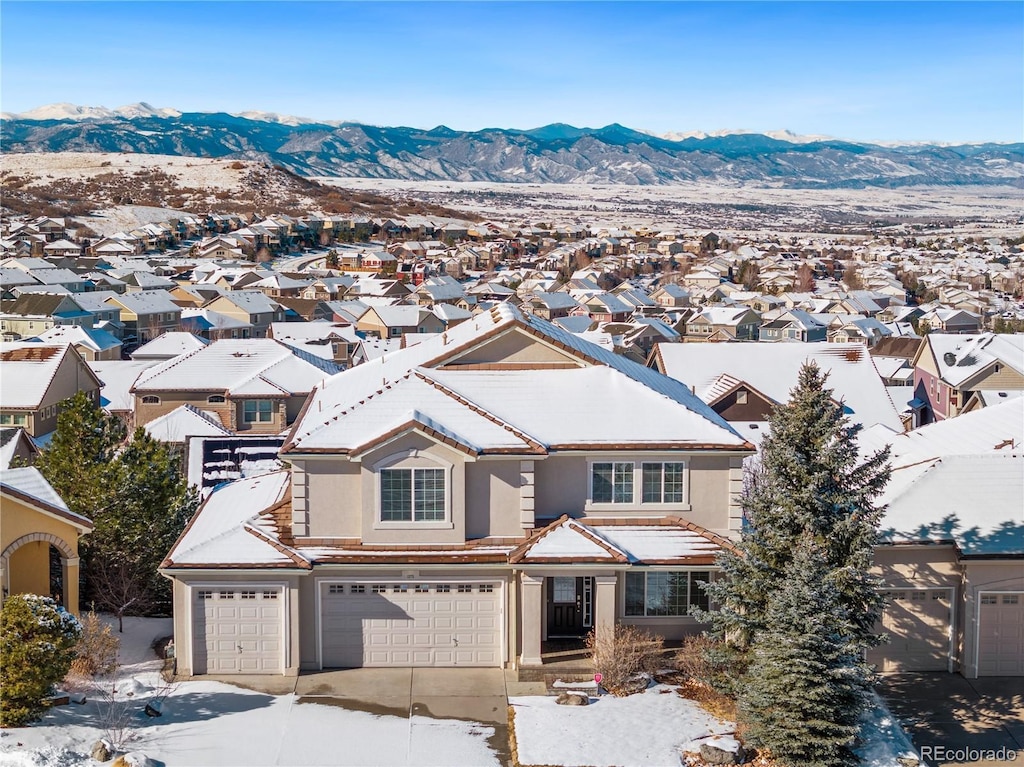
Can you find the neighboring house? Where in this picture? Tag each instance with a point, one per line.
(724, 323)
(397, 321)
(146, 314)
(794, 325)
(949, 368)
(671, 296)
(251, 306)
(550, 306)
(214, 326)
(743, 382)
(38, 530)
(953, 556)
(951, 321)
(256, 385)
(92, 343)
(461, 502)
(16, 444)
(35, 378)
(33, 313)
(168, 346)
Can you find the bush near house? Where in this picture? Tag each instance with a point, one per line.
(37, 646)
(626, 658)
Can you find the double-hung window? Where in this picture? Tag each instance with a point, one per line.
(663, 482)
(665, 593)
(258, 411)
(412, 495)
(612, 482)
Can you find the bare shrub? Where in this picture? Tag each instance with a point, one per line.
(626, 658)
(96, 651)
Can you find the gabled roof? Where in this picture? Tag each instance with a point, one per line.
(254, 366)
(960, 357)
(27, 370)
(169, 345)
(117, 378)
(184, 422)
(772, 369)
(639, 406)
(96, 339)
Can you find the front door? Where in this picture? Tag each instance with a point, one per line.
(565, 606)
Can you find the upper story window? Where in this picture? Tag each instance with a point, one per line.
(412, 495)
(638, 482)
(258, 411)
(663, 482)
(612, 482)
(13, 419)
(150, 399)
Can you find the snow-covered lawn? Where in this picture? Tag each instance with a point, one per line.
(207, 723)
(645, 730)
(653, 729)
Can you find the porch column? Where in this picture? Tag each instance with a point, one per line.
(604, 604)
(70, 577)
(530, 618)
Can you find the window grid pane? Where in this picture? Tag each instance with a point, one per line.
(623, 492)
(429, 494)
(651, 481)
(602, 490)
(396, 495)
(673, 483)
(634, 593)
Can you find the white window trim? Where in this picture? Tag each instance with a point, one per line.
(273, 411)
(711, 570)
(394, 461)
(637, 504)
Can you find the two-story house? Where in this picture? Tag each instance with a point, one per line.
(949, 368)
(724, 323)
(251, 306)
(146, 314)
(256, 385)
(35, 378)
(460, 502)
(398, 320)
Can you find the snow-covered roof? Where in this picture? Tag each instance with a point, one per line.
(169, 345)
(959, 357)
(147, 302)
(254, 366)
(973, 500)
(773, 369)
(639, 406)
(118, 377)
(228, 530)
(184, 422)
(96, 339)
(26, 371)
(29, 484)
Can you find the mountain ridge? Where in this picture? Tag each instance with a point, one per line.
(557, 153)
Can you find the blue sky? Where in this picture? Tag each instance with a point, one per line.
(943, 71)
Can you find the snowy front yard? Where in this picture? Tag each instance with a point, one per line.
(207, 723)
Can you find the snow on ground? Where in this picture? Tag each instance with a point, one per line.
(198, 172)
(645, 730)
(205, 723)
(124, 218)
(652, 729)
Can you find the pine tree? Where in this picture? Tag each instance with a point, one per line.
(37, 641)
(801, 696)
(810, 492)
(78, 461)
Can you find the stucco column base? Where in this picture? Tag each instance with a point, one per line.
(532, 593)
(70, 575)
(604, 612)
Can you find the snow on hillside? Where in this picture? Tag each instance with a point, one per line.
(198, 172)
(65, 111)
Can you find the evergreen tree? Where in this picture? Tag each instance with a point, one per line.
(801, 696)
(810, 498)
(134, 493)
(37, 646)
(809, 480)
(78, 461)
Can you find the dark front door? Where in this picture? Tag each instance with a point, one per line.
(565, 606)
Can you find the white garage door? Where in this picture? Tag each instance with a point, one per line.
(918, 624)
(1001, 635)
(237, 631)
(411, 624)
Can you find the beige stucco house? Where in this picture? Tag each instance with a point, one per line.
(459, 503)
(35, 378)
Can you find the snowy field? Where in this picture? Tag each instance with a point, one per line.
(198, 172)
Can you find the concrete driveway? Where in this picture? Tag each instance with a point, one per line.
(424, 696)
(946, 711)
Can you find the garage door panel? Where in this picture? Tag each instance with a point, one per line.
(236, 631)
(424, 625)
(917, 622)
(1001, 634)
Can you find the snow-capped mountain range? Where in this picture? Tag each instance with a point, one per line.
(552, 153)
